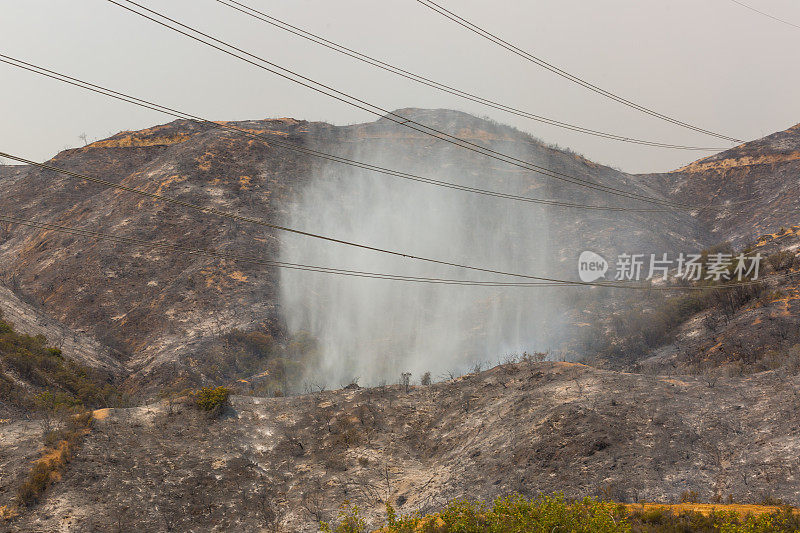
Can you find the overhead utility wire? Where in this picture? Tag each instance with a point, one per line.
(564, 74)
(255, 260)
(259, 222)
(272, 140)
(265, 17)
(384, 113)
(241, 218)
(765, 14)
(353, 273)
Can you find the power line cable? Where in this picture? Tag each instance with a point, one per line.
(258, 222)
(272, 140)
(255, 260)
(558, 71)
(241, 218)
(356, 273)
(766, 14)
(381, 112)
(264, 17)
(383, 65)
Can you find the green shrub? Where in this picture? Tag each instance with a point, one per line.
(658, 520)
(510, 514)
(46, 369)
(212, 398)
(545, 514)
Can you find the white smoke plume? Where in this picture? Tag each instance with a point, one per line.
(377, 329)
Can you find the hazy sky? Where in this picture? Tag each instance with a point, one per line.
(712, 63)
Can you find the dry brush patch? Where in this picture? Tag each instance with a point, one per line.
(60, 447)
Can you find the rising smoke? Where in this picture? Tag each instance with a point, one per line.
(376, 329)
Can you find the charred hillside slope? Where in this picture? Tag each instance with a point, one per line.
(686, 392)
(525, 427)
(152, 307)
(760, 179)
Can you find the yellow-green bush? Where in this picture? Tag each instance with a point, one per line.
(212, 398)
(512, 514)
(46, 369)
(548, 513)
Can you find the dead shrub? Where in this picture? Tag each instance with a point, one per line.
(59, 450)
(690, 496)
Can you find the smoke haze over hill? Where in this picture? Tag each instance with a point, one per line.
(375, 329)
